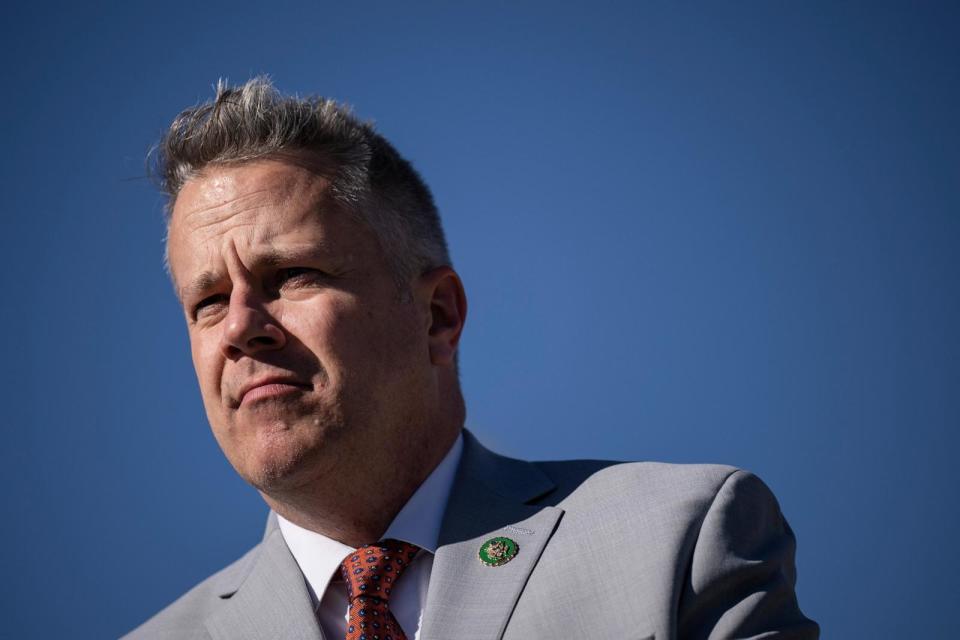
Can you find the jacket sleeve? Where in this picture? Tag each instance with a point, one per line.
(741, 578)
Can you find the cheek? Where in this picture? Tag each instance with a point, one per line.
(311, 323)
(348, 338)
(207, 365)
(319, 318)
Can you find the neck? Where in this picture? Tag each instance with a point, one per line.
(354, 505)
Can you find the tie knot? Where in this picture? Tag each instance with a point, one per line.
(373, 569)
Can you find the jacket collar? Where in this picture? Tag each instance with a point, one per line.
(490, 498)
(265, 594)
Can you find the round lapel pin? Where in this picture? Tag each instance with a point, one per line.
(498, 551)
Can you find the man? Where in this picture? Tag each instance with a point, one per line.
(324, 317)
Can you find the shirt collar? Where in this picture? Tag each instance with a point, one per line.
(418, 523)
(419, 520)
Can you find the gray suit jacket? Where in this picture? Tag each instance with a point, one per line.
(606, 550)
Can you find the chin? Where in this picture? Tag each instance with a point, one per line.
(276, 473)
(280, 459)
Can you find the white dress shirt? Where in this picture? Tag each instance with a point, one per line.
(418, 523)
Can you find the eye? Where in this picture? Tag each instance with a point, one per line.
(298, 276)
(209, 305)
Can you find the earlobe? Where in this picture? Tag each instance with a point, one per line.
(448, 312)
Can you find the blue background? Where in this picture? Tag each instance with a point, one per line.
(688, 233)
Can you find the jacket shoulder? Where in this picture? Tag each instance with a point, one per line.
(605, 481)
(184, 617)
(710, 552)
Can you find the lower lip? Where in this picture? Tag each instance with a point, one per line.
(267, 391)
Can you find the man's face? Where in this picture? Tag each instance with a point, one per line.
(304, 351)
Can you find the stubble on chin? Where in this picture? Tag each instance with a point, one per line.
(277, 454)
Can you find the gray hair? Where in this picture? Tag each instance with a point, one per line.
(367, 175)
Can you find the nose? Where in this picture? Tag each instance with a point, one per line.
(249, 329)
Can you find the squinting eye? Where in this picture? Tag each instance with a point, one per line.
(209, 304)
(293, 272)
(297, 275)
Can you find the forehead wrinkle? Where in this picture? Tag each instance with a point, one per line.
(229, 208)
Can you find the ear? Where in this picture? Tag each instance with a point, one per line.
(443, 292)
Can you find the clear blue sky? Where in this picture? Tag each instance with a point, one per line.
(688, 233)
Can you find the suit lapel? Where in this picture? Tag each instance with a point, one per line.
(468, 600)
(269, 601)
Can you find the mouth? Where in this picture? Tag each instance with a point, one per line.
(267, 388)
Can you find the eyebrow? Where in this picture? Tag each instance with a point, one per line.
(201, 283)
(273, 257)
(269, 257)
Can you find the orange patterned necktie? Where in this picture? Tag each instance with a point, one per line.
(371, 573)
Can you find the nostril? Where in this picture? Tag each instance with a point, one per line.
(232, 352)
(262, 341)
(250, 333)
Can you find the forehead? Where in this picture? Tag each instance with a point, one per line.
(247, 193)
(262, 206)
